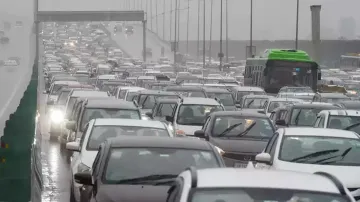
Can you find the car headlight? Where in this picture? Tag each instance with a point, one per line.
(221, 152)
(57, 116)
(83, 168)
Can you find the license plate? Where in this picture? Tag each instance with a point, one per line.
(240, 165)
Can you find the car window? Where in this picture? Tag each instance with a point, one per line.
(195, 114)
(165, 109)
(122, 94)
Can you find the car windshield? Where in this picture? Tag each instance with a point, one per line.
(262, 195)
(262, 129)
(63, 97)
(148, 101)
(129, 163)
(195, 114)
(190, 93)
(101, 133)
(335, 100)
(56, 89)
(84, 79)
(254, 103)
(304, 117)
(241, 94)
(275, 104)
(342, 122)
(130, 96)
(320, 150)
(96, 113)
(225, 98)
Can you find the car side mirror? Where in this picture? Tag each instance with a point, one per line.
(280, 122)
(71, 125)
(149, 114)
(199, 134)
(73, 146)
(169, 119)
(83, 178)
(263, 158)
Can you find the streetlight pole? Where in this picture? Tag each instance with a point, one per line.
(204, 36)
(211, 19)
(151, 15)
(171, 11)
(198, 33)
(163, 28)
(221, 28)
(175, 31)
(156, 16)
(227, 32)
(187, 28)
(178, 29)
(297, 25)
(251, 28)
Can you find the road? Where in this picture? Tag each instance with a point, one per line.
(133, 44)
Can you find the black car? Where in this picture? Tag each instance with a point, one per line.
(129, 29)
(143, 168)
(240, 134)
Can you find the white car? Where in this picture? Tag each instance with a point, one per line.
(274, 103)
(315, 149)
(248, 185)
(96, 132)
(339, 119)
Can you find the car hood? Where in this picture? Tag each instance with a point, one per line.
(349, 175)
(132, 193)
(240, 145)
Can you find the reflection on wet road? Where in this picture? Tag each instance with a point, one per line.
(55, 173)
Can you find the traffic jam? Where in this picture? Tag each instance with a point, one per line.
(278, 127)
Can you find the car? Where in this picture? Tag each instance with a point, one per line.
(190, 114)
(302, 114)
(187, 91)
(129, 29)
(99, 130)
(330, 97)
(339, 119)
(273, 103)
(350, 104)
(163, 107)
(310, 150)
(54, 90)
(241, 135)
(248, 185)
(253, 101)
(143, 168)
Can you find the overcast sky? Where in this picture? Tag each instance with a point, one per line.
(273, 19)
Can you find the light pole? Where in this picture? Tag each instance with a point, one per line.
(164, 5)
(297, 25)
(204, 36)
(251, 28)
(227, 32)
(198, 33)
(156, 16)
(170, 27)
(151, 15)
(211, 19)
(175, 31)
(187, 28)
(178, 17)
(221, 55)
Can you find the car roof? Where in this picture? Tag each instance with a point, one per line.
(88, 93)
(234, 177)
(320, 132)
(215, 90)
(318, 105)
(248, 88)
(343, 112)
(199, 101)
(157, 92)
(160, 142)
(277, 99)
(129, 122)
(333, 95)
(66, 82)
(167, 100)
(191, 88)
(110, 104)
(240, 113)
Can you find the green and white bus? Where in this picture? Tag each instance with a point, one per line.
(277, 68)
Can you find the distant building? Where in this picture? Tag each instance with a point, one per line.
(347, 28)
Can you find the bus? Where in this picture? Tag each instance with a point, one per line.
(277, 68)
(350, 62)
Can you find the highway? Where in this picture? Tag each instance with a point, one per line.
(133, 44)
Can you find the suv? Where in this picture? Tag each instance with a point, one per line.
(190, 113)
(231, 184)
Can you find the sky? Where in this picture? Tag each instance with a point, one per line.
(272, 19)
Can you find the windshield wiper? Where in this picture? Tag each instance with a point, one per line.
(342, 156)
(352, 126)
(315, 154)
(226, 131)
(297, 117)
(246, 130)
(146, 179)
(249, 103)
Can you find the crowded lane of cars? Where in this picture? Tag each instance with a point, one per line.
(150, 131)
